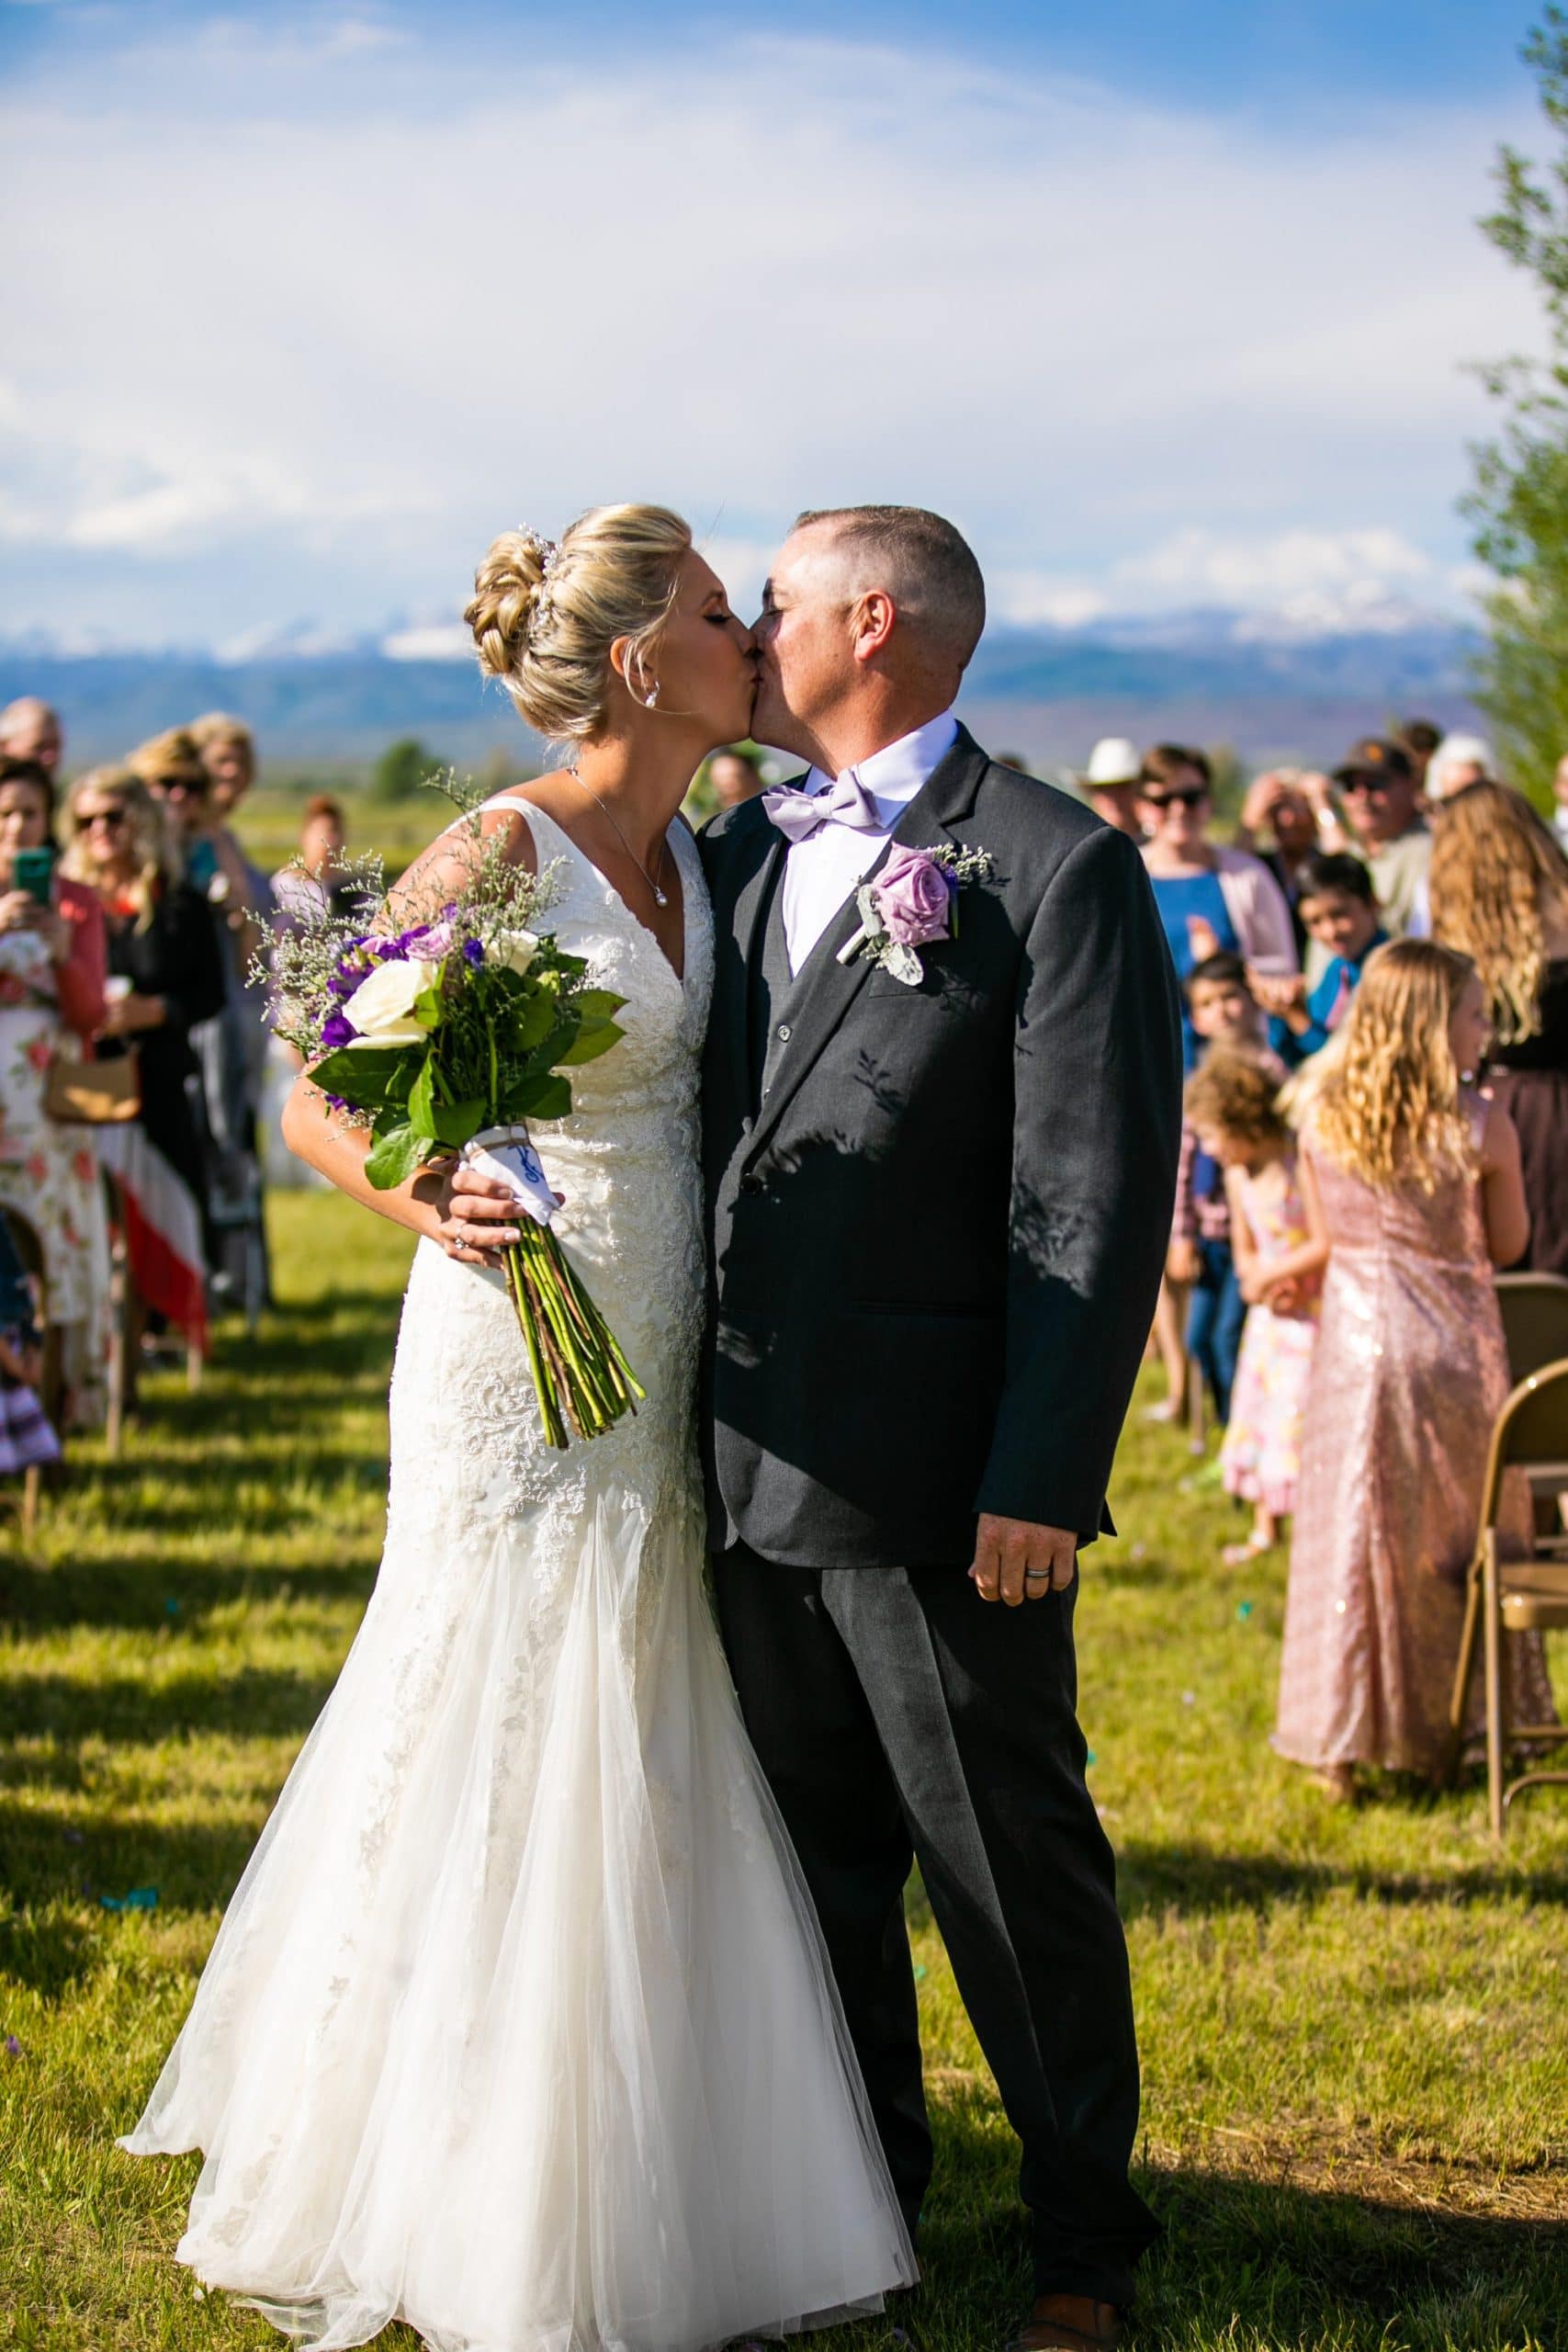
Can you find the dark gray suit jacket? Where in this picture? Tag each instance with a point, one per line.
(934, 1251)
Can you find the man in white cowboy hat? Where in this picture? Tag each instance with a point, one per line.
(1111, 781)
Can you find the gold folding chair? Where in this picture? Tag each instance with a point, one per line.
(1515, 1596)
(1535, 1321)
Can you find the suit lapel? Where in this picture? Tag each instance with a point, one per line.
(829, 989)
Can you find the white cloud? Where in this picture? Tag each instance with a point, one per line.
(430, 641)
(336, 307)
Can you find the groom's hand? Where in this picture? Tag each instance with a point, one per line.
(1018, 1559)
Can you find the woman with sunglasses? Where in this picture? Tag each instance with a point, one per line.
(51, 997)
(165, 974)
(1213, 900)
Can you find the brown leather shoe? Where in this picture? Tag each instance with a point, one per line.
(1069, 2323)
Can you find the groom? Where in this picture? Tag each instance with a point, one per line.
(938, 1205)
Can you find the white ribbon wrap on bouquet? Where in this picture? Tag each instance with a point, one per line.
(506, 1155)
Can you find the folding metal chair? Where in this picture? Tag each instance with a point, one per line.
(1515, 1596)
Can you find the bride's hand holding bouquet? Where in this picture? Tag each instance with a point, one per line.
(445, 1038)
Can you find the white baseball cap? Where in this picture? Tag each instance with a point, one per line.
(1112, 760)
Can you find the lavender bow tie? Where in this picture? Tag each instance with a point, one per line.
(799, 814)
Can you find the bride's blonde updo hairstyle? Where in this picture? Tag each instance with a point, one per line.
(545, 616)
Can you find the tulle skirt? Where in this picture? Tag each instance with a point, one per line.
(519, 2027)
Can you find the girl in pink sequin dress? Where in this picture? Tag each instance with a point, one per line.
(1414, 1182)
(1233, 1104)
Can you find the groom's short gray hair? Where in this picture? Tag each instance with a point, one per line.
(927, 566)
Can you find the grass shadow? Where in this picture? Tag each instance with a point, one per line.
(1193, 1880)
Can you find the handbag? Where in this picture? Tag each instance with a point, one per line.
(93, 1093)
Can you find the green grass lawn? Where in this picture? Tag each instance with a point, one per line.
(1354, 2025)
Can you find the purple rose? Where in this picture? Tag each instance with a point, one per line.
(337, 1030)
(914, 897)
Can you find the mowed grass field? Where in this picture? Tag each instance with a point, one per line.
(1354, 2024)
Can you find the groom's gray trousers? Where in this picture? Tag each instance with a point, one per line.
(899, 1718)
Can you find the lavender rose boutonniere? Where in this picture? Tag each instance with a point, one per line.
(913, 903)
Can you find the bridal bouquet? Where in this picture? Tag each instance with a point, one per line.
(448, 1036)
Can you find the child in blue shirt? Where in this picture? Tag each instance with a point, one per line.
(1336, 902)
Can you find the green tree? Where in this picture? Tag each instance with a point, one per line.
(1520, 504)
(401, 769)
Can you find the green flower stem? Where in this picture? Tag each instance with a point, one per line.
(544, 1387)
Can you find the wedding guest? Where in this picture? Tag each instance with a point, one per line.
(1232, 1102)
(27, 1439)
(319, 882)
(735, 775)
(1420, 738)
(30, 730)
(1341, 914)
(1412, 1183)
(1459, 762)
(231, 1048)
(52, 1001)
(166, 975)
(1500, 895)
(1279, 805)
(1111, 783)
(228, 752)
(1210, 898)
(1200, 1265)
(1381, 798)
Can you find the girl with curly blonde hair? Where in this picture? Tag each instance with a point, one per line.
(1499, 889)
(1411, 1181)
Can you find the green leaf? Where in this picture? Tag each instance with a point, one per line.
(598, 1004)
(456, 1122)
(428, 1006)
(394, 1158)
(594, 1037)
(422, 1102)
(363, 1078)
(544, 1097)
(536, 1016)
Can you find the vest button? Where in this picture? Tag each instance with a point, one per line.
(784, 1032)
(750, 1184)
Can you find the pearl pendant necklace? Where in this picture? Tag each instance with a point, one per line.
(660, 897)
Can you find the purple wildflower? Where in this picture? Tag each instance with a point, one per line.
(473, 950)
(337, 1030)
(13, 2047)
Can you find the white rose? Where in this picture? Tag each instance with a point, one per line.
(381, 1008)
(516, 950)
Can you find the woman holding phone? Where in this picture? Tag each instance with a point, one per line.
(51, 997)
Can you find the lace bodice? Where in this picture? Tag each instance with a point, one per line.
(626, 1161)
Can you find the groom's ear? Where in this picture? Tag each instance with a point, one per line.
(872, 619)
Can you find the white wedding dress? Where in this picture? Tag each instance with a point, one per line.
(519, 2025)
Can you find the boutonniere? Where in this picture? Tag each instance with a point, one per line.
(913, 903)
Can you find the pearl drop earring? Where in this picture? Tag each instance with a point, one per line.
(651, 698)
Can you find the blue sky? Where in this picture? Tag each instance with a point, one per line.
(1166, 304)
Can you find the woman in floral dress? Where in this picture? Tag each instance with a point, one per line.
(52, 995)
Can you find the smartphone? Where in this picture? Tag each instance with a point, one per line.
(32, 870)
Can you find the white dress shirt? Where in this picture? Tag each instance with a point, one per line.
(819, 874)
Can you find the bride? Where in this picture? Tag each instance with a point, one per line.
(519, 2025)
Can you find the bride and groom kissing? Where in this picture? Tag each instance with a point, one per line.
(566, 2001)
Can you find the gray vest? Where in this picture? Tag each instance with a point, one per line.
(772, 996)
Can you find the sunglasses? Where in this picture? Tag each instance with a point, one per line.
(90, 818)
(1369, 784)
(1185, 798)
(182, 784)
